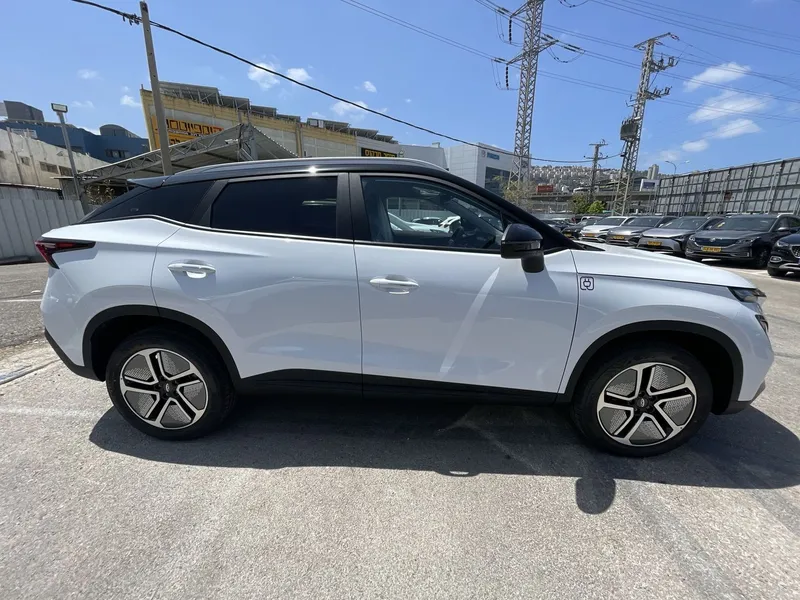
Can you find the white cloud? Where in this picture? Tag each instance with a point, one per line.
(92, 129)
(720, 74)
(383, 110)
(726, 104)
(666, 155)
(343, 109)
(85, 104)
(408, 100)
(299, 74)
(736, 128)
(127, 100)
(696, 146)
(88, 74)
(125, 89)
(262, 78)
(369, 87)
(318, 115)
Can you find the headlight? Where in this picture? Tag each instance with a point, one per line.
(691, 238)
(781, 244)
(746, 241)
(749, 295)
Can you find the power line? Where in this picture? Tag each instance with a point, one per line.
(698, 28)
(135, 19)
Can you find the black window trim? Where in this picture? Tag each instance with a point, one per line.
(344, 229)
(362, 235)
(96, 215)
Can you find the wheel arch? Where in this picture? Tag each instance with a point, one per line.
(718, 353)
(109, 327)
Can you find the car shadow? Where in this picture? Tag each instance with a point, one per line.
(745, 451)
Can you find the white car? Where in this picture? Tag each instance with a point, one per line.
(400, 225)
(267, 275)
(598, 231)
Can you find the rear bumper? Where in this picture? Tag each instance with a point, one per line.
(86, 372)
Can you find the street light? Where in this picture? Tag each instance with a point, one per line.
(674, 166)
(61, 110)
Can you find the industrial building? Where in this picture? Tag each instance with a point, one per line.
(761, 187)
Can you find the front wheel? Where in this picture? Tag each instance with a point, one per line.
(169, 386)
(761, 258)
(644, 401)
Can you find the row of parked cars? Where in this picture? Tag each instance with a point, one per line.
(762, 240)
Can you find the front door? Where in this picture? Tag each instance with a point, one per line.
(441, 305)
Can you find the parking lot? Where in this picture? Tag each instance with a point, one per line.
(307, 499)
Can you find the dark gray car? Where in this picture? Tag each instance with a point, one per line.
(629, 234)
(672, 237)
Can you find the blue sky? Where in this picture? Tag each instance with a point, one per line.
(96, 63)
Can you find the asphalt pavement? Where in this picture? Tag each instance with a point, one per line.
(308, 499)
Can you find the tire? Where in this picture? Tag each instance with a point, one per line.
(775, 272)
(671, 364)
(761, 258)
(195, 394)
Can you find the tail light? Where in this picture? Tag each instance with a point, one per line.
(47, 248)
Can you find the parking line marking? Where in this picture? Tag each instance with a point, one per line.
(66, 413)
(22, 300)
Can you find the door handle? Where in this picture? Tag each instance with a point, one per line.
(394, 284)
(193, 270)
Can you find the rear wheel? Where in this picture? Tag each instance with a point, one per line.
(169, 386)
(776, 272)
(644, 401)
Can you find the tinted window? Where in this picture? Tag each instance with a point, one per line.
(467, 223)
(745, 223)
(176, 202)
(687, 223)
(644, 221)
(297, 206)
(612, 221)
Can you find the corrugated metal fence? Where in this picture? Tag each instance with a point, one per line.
(26, 212)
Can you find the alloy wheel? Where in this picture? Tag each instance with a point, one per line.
(163, 388)
(646, 404)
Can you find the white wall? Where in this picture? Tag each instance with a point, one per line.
(463, 161)
(18, 150)
(431, 154)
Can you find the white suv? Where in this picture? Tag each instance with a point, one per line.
(256, 276)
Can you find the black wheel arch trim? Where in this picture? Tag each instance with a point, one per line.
(143, 310)
(664, 326)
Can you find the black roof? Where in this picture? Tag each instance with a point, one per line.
(294, 165)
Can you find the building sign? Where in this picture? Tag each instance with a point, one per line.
(183, 131)
(377, 153)
(648, 185)
(492, 155)
(544, 189)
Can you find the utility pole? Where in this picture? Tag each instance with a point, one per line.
(631, 130)
(61, 110)
(595, 159)
(530, 14)
(163, 135)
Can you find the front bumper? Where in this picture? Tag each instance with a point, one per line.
(732, 252)
(737, 406)
(623, 240)
(783, 260)
(600, 238)
(660, 245)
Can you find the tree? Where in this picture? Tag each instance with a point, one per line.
(596, 207)
(578, 204)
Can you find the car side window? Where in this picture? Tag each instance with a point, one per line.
(794, 222)
(304, 206)
(177, 202)
(782, 222)
(393, 204)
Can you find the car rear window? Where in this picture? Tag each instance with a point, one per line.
(175, 202)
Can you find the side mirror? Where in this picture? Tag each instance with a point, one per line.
(784, 230)
(523, 242)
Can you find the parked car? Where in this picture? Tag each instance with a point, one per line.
(406, 226)
(257, 276)
(573, 231)
(746, 238)
(598, 231)
(785, 257)
(672, 237)
(428, 220)
(629, 233)
(558, 225)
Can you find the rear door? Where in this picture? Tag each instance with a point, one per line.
(270, 268)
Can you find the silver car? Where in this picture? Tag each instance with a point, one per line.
(672, 238)
(629, 233)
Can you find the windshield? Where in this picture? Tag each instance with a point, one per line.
(747, 223)
(611, 221)
(687, 223)
(644, 222)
